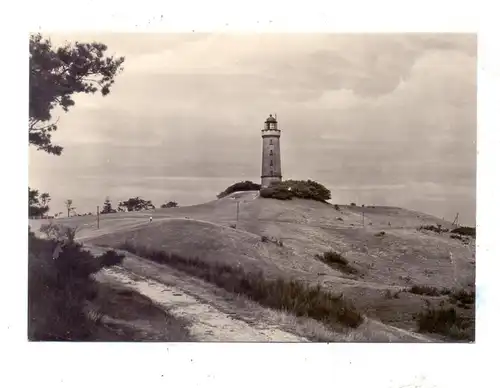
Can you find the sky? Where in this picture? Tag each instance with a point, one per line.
(379, 119)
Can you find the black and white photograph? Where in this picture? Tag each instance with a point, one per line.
(252, 187)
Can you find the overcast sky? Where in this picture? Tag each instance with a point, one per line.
(379, 119)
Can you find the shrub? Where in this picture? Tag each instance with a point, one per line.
(437, 229)
(465, 231)
(283, 294)
(380, 234)
(239, 186)
(428, 290)
(337, 207)
(59, 232)
(463, 297)
(446, 321)
(276, 192)
(336, 261)
(271, 239)
(296, 189)
(169, 204)
(58, 290)
(353, 204)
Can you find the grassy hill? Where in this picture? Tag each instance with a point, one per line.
(383, 253)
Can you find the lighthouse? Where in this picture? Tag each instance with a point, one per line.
(271, 156)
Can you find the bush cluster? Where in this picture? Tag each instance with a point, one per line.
(239, 186)
(337, 261)
(448, 322)
(465, 231)
(297, 189)
(437, 229)
(59, 286)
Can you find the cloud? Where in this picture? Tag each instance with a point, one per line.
(373, 109)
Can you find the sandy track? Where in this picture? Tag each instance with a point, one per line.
(206, 322)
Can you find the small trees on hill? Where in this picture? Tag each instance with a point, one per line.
(169, 204)
(37, 203)
(135, 204)
(107, 208)
(69, 205)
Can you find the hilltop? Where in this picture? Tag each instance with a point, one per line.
(385, 255)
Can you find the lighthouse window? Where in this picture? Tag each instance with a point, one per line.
(271, 162)
(271, 152)
(270, 141)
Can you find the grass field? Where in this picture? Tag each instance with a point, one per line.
(383, 267)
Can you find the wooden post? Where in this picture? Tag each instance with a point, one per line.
(237, 211)
(97, 217)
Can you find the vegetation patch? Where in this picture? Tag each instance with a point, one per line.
(337, 261)
(288, 295)
(429, 291)
(433, 228)
(59, 286)
(239, 186)
(465, 231)
(448, 322)
(296, 189)
(274, 240)
(392, 295)
(463, 297)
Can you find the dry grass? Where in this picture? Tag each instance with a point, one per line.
(306, 226)
(288, 295)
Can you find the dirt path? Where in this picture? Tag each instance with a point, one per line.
(206, 322)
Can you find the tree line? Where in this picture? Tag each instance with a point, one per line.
(133, 204)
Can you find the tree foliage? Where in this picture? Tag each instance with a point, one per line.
(69, 205)
(107, 208)
(56, 75)
(135, 204)
(239, 186)
(169, 204)
(299, 189)
(38, 204)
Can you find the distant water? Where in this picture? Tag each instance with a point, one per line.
(439, 200)
(441, 186)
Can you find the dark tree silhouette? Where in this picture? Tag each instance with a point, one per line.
(69, 205)
(37, 203)
(169, 204)
(56, 74)
(107, 208)
(135, 204)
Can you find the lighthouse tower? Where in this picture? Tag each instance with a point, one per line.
(271, 156)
